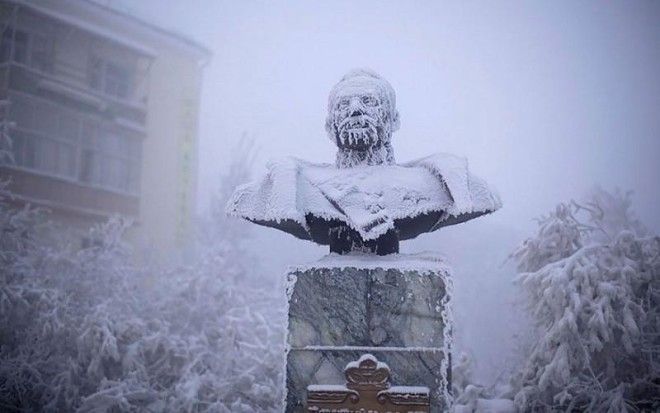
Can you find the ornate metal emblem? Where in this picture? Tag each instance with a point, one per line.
(367, 390)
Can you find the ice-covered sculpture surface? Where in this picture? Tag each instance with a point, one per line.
(366, 202)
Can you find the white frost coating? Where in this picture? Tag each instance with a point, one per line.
(365, 190)
(422, 263)
(273, 198)
(356, 364)
(328, 388)
(407, 389)
(291, 280)
(470, 194)
(361, 118)
(368, 199)
(371, 348)
(448, 342)
(340, 388)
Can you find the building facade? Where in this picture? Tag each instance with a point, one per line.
(101, 110)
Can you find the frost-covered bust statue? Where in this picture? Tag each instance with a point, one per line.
(366, 202)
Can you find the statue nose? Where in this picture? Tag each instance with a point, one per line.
(356, 112)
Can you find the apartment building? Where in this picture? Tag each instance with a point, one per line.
(101, 109)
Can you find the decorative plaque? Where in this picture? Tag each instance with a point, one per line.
(367, 390)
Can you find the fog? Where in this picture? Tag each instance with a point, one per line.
(544, 99)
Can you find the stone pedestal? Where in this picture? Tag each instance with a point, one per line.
(395, 307)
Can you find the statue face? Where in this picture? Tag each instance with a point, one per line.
(360, 118)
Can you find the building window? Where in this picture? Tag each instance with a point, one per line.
(37, 143)
(62, 143)
(31, 49)
(110, 160)
(41, 52)
(110, 77)
(19, 40)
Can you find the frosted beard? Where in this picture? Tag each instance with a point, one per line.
(357, 132)
(361, 119)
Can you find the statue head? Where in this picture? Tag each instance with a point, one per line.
(361, 118)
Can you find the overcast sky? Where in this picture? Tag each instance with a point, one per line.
(545, 99)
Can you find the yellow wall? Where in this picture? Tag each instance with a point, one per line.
(169, 167)
(169, 68)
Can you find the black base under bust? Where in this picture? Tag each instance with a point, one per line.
(344, 240)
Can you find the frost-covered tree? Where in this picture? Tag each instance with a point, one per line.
(89, 330)
(591, 277)
(224, 235)
(471, 397)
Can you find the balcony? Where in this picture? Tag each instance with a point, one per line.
(64, 195)
(40, 57)
(29, 80)
(66, 158)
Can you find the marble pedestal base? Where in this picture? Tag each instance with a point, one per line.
(395, 307)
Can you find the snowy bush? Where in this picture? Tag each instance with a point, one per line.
(470, 397)
(591, 276)
(89, 330)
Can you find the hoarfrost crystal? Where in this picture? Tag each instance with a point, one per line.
(366, 202)
(395, 307)
(361, 118)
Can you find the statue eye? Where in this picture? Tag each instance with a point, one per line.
(343, 103)
(369, 101)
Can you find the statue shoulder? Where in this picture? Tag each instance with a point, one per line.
(271, 197)
(283, 163)
(290, 163)
(441, 161)
(469, 192)
(283, 193)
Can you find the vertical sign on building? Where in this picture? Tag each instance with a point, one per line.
(186, 165)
